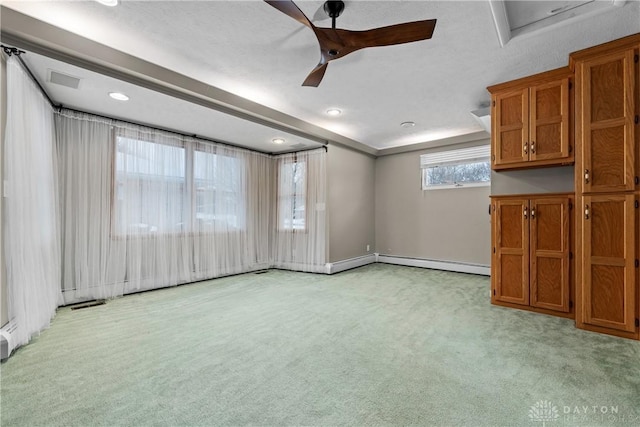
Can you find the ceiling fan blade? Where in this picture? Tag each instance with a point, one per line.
(315, 77)
(387, 36)
(289, 8)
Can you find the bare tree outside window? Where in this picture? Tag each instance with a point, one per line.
(456, 168)
(458, 174)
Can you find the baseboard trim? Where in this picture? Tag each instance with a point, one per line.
(459, 267)
(348, 264)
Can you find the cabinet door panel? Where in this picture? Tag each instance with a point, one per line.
(549, 285)
(607, 122)
(607, 157)
(607, 88)
(550, 253)
(548, 142)
(511, 127)
(608, 242)
(512, 251)
(549, 120)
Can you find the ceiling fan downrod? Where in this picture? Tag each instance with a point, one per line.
(333, 8)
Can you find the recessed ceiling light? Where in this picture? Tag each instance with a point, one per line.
(119, 96)
(334, 112)
(408, 124)
(108, 2)
(278, 140)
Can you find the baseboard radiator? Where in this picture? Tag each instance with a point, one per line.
(6, 339)
(459, 267)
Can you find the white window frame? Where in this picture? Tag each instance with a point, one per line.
(454, 157)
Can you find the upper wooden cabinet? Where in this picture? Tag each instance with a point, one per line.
(531, 122)
(605, 121)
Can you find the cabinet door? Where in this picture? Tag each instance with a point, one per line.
(608, 275)
(549, 121)
(512, 251)
(549, 282)
(511, 127)
(606, 122)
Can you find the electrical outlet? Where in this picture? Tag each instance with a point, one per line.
(367, 248)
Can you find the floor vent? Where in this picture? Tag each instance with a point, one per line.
(88, 304)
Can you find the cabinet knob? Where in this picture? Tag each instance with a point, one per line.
(586, 211)
(526, 211)
(533, 147)
(586, 176)
(533, 213)
(525, 148)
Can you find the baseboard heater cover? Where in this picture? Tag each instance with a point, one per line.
(459, 267)
(6, 341)
(348, 264)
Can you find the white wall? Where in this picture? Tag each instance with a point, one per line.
(532, 181)
(4, 315)
(445, 225)
(351, 206)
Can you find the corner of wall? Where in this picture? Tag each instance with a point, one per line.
(4, 315)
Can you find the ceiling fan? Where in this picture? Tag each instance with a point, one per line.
(336, 43)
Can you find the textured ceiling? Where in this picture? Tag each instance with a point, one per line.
(252, 50)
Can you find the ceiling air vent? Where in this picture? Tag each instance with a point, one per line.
(63, 79)
(483, 116)
(297, 146)
(516, 18)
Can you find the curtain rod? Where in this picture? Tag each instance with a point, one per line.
(182, 134)
(17, 52)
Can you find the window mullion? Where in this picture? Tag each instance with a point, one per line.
(190, 201)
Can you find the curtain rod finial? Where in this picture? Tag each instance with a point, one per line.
(12, 50)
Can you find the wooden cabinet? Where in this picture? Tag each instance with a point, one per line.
(606, 177)
(532, 125)
(530, 121)
(531, 250)
(605, 122)
(608, 291)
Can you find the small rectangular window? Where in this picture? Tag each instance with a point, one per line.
(464, 167)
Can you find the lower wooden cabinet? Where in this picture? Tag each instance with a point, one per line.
(531, 237)
(608, 296)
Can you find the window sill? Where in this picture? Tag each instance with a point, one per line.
(456, 186)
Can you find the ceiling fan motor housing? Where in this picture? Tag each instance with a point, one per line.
(333, 8)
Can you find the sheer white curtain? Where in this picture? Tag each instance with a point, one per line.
(31, 235)
(299, 237)
(144, 209)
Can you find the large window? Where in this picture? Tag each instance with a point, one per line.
(164, 189)
(292, 194)
(217, 185)
(456, 168)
